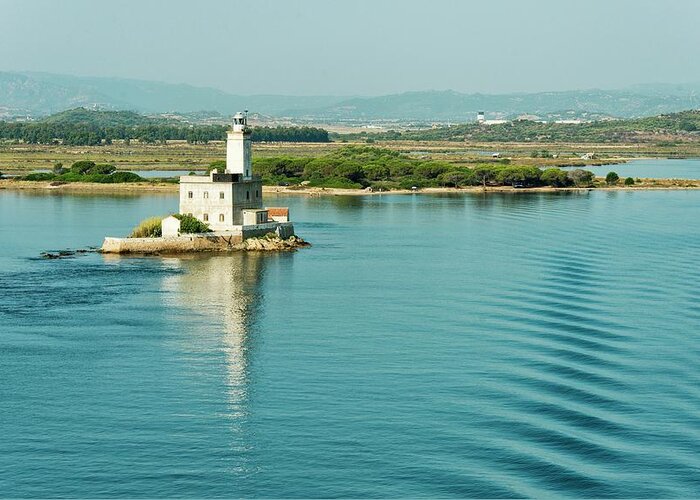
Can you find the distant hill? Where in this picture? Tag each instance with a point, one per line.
(41, 94)
(454, 106)
(99, 118)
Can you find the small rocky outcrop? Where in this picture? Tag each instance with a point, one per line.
(273, 243)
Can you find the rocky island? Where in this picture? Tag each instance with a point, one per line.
(218, 212)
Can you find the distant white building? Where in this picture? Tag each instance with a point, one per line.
(481, 119)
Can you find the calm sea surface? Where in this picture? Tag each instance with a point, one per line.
(493, 346)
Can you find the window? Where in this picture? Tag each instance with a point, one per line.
(247, 195)
(206, 194)
(221, 195)
(256, 193)
(205, 217)
(189, 194)
(221, 217)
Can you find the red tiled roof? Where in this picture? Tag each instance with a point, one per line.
(278, 211)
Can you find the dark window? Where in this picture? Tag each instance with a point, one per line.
(256, 194)
(247, 195)
(221, 195)
(189, 194)
(206, 194)
(206, 217)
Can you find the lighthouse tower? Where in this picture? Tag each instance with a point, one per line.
(238, 148)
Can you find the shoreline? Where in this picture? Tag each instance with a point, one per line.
(148, 188)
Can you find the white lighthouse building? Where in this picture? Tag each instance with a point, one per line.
(232, 201)
(238, 148)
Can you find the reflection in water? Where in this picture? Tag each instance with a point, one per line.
(223, 294)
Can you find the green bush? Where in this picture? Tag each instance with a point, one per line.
(581, 177)
(612, 178)
(191, 225)
(103, 168)
(39, 176)
(629, 181)
(83, 172)
(124, 177)
(219, 165)
(82, 167)
(148, 228)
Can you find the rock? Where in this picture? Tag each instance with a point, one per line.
(273, 243)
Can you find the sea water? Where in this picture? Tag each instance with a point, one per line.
(482, 345)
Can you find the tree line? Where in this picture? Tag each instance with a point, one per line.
(685, 124)
(365, 166)
(82, 134)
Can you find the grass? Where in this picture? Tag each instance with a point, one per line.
(148, 228)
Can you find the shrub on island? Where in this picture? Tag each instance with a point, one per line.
(191, 225)
(153, 226)
(612, 178)
(148, 228)
(629, 181)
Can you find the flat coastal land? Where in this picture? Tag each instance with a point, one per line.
(136, 188)
(179, 158)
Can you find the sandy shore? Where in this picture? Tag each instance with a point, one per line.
(152, 188)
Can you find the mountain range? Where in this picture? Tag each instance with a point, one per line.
(31, 94)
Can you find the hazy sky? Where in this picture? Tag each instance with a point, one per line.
(358, 47)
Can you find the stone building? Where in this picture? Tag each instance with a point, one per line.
(231, 200)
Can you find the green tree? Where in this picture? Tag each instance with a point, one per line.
(484, 174)
(102, 169)
(555, 177)
(581, 177)
(456, 178)
(82, 167)
(629, 181)
(219, 165)
(612, 178)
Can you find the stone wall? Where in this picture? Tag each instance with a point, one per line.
(177, 244)
(283, 230)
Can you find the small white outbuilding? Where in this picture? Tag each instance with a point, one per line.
(170, 226)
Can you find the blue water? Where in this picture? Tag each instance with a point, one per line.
(493, 345)
(652, 168)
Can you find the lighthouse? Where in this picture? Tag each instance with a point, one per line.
(238, 147)
(232, 200)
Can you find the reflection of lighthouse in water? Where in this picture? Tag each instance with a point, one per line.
(218, 296)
